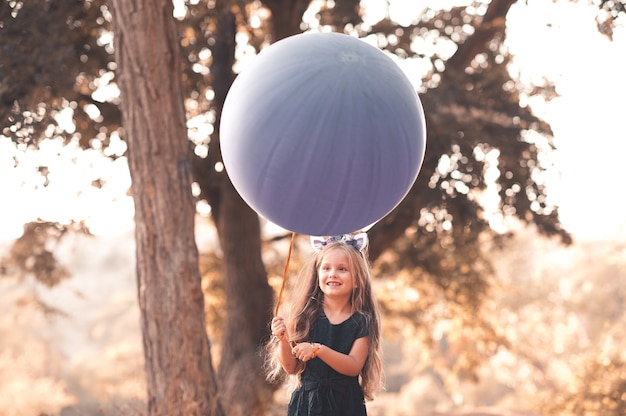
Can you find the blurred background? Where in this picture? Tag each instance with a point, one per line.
(500, 276)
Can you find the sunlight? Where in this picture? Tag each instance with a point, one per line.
(560, 41)
(67, 195)
(557, 306)
(589, 139)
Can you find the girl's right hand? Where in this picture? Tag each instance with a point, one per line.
(279, 329)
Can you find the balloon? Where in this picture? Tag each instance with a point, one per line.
(322, 134)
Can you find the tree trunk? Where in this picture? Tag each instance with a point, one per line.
(180, 377)
(286, 17)
(249, 297)
(249, 304)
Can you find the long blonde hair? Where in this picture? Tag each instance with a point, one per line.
(308, 304)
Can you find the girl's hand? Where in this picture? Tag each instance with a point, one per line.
(279, 329)
(287, 360)
(305, 351)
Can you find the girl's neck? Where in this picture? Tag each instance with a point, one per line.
(337, 311)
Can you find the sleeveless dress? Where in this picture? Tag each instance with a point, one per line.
(324, 391)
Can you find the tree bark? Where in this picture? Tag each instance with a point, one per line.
(286, 17)
(180, 376)
(249, 297)
(249, 303)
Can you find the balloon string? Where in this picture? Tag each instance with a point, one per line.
(282, 288)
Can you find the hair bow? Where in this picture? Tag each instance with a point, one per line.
(358, 241)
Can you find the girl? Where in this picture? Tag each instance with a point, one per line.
(330, 343)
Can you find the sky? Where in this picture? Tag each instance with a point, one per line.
(560, 40)
(557, 40)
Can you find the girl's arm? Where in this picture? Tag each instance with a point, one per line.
(285, 356)
(349, 365)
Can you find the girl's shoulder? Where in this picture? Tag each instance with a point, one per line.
(359, 318)
(361, 324)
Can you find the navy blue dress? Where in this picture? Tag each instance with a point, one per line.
(325, 392)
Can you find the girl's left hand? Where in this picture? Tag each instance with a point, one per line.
(303, 351)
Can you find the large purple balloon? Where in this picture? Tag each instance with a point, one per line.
(322, 134)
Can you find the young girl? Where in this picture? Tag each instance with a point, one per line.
(330, 342)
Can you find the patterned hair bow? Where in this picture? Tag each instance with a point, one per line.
(358, 241)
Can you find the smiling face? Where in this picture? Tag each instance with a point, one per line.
(335, 274)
